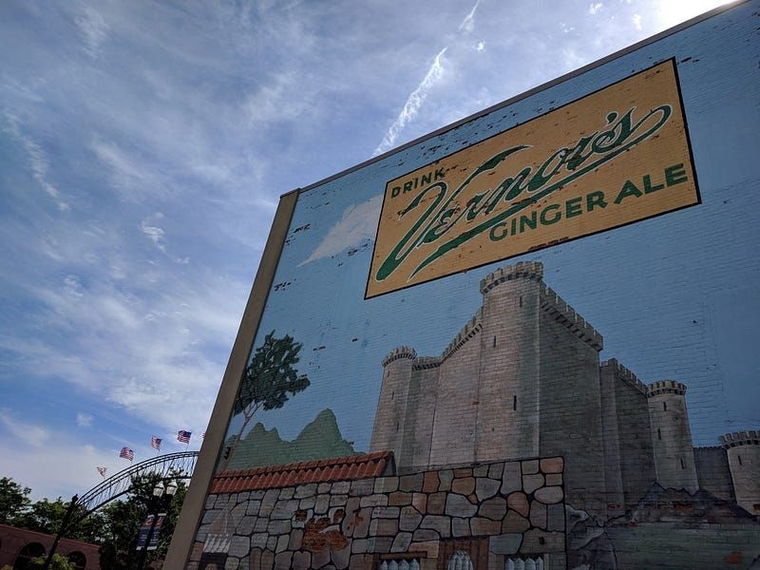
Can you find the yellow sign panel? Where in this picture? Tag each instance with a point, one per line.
(614, 157)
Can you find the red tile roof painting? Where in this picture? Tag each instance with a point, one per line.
(318, 471)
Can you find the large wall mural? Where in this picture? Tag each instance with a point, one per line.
(529, 341)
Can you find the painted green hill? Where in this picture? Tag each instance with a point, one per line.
(320, 439)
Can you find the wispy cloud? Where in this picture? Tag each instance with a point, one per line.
(273, 102)
(594, 8)
(413, 103)
(468, 24)
(32, 435)
(152, 231)
(435, 74)
(94, 29)
(84, 420)
(39, 162)
(30, 464)
(357, 224)
(128, 173)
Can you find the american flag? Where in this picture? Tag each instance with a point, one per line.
(127, 453)
(155, 442)
(102, 471)
(184, 436)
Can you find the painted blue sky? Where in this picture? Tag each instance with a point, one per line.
(143, 148)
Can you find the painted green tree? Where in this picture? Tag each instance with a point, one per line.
(270, 380)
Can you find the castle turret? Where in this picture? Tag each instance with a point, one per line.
(388, 431)
(671, 436)
(743, 450)
(509, 367)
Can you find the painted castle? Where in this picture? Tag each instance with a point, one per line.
(523, 379)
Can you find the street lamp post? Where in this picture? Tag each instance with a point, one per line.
(162, 496)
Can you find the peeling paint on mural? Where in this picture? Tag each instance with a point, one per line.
(592, 403)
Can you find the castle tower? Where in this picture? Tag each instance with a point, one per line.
(743, 450)
(390, 416)
(509, 368)
(671, 436)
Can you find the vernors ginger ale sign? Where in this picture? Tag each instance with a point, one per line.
(611, 158)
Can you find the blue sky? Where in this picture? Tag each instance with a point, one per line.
(143, 149)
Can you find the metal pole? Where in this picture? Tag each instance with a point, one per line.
(64, 526)
(144, 551)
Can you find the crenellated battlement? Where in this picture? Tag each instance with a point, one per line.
(399, 352)
(665, 387)
(470, 329)
(625, 374)
(751, 437)
(427, 362)
(533, 270)
(554, 306)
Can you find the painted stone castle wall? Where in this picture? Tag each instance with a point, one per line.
(523, 378)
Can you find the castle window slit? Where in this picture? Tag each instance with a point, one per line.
(514, 402)
(664, 406)
(659, 433)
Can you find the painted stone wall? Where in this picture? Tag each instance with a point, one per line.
(515, 510)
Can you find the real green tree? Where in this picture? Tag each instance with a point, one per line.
(270, 380)
(14, 500)
(114, 527)
(123, 519)
(47, 516)
(58, 562)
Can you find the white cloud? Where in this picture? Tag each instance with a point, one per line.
(153, 232)
(127, 173)
(274, 101)
(468, 24)
(670, 13)
(84, 420)
(51, 466)
(31, 435)
(94, 29)
(39, 162)
(357, 224)
(636, 20)
(413, 103)
(594, 8)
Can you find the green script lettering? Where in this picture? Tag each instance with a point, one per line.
(449, 224)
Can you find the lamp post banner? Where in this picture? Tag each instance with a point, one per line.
(150, 532)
